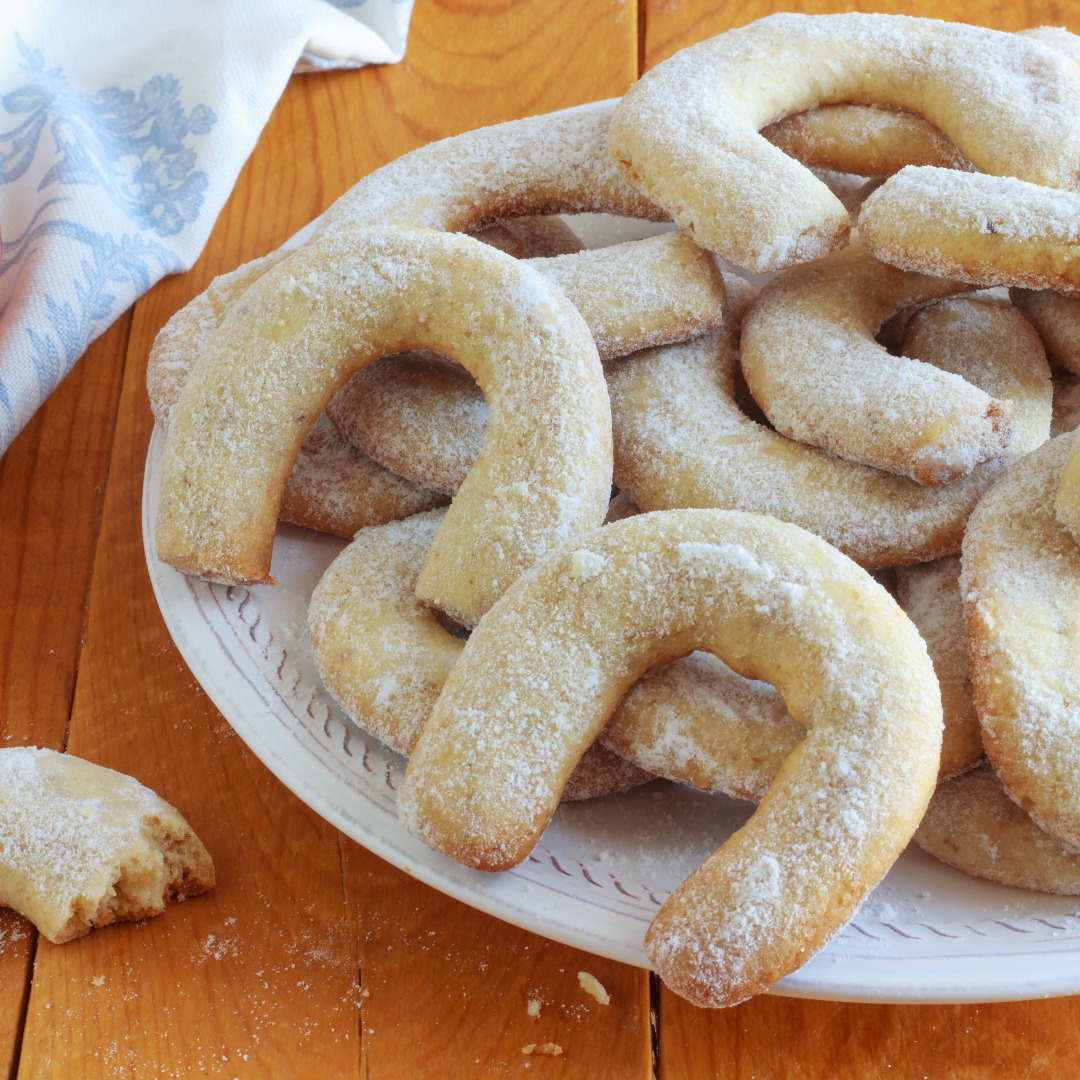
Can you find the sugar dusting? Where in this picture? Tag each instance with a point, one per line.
(972, 824)
(810, 359)
(526, 695)
(540, 165)
(385, 656)
(1021, 588)
(988, 230)
(682, 441)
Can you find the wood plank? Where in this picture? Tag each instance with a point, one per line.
(266, 965)
(772, 1037)
(769, 1038)
(446, 991)
(449, 986)
(260, 977)
(52, 484)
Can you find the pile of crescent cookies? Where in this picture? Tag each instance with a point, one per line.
(812, 546)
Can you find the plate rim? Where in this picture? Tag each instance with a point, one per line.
(901, 980)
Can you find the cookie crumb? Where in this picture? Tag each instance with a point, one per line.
(591, 985)
(533, 1008)
(550, 1049)
(98, 980)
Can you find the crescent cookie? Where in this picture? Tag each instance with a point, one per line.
(687, 131)
(681, 440)
(544, 165)
(317, 317)
(384, 655)
(986, 230)
(811, 362)
(82, 846)
(642, 293)
(866, 140)
(186, 334)
(426, 419)
(541, 165)
(930, 594)
(972, 824)
(547, 665)
(992, 345)
(1021, 588)
(696, 722)
(333, 487)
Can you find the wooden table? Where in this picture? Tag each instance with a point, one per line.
(312, 957)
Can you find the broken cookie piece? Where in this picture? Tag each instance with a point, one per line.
(82, 846)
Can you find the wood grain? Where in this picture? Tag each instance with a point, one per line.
(446, 990)
(774, 1038)
(768, 1037)
(52, 484)
(260, 974)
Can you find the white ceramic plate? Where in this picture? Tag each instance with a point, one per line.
(927, 934)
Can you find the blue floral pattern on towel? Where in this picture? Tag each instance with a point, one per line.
(114, 161)
(131, 145)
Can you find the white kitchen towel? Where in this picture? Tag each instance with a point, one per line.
(123, 127)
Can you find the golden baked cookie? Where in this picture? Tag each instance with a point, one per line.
(1021, 589)
(547, 665)
(972, 824)
(811, 362)
(314, 319)
(687, 133)
(82, 846)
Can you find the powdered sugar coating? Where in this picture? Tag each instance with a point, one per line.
(930, 594)
(332, 487)
(687, 132)
(810, 359)
(987, 230)
(384, 655)
(972, 824)
(306, 326)
(82, 846)
(990, 344)
(696, 722)
(642, 293)
(540, 165)
(1021, 588)
(549, 662)
(418, 417)
(427, 421)
(186, 334)
(682, 441)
